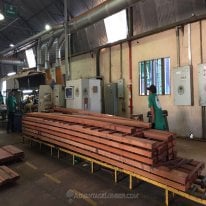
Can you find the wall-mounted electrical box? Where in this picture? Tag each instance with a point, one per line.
(120, 88)
(182, 85)
(84, 94)
(202, 84)
(110, 99)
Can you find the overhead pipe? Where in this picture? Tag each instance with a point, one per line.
(130, 79)
(55, 31)
(88, 18)
(11, 61)
(110, 64)
(50, 43)
(178, 45)
(61, 40)
(130, 22)
(189, 45)
(46, 65)
(66, 63)
(203, 108)
(98, 62)
(38, 56)
(99, 12)
(58, 54)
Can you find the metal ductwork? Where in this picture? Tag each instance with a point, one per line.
(58, 54)
(61, 40)
(46, 65)
(98, 13)
(38, 56)
(88, 18)
(50, 43)
(11, 61)
(55, 31)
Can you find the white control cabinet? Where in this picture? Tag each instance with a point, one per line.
(182, 85)
(202, 84)
(83, 94)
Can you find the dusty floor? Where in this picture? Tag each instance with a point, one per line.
(48, 181)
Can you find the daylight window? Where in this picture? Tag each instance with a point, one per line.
(157, 72)
(116, 26)
(30, 58)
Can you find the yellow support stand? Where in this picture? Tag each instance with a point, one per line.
(131, 175)
(73, 159)
(130, 182)
(92, 167)
(51, 152)
(115, 176)
(166, 197)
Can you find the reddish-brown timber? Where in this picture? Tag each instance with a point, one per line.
(67, 118)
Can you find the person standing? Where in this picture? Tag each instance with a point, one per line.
(1, 98)
(11, 108)
(158, 121)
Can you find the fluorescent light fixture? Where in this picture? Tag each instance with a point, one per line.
(3, 89)
(11, 74)
(47, 27)
(30, 58)
(11, 45)
(116, 26)
(1, 16)
(27, 91)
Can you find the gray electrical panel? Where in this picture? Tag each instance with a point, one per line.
(120, 91)
(183, 85)
(110, 98)
(202, 84)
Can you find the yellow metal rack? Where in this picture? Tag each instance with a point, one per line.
(119, 170)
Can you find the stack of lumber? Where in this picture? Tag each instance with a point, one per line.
(10, 153)
(7, 175)
(128, 144)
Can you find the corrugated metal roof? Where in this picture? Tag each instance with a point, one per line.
(32, 16)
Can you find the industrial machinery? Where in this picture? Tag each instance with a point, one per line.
(84, 94)
(49, 97)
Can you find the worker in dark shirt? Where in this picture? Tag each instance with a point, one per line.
(158, 121)
(11, 108)
(1, 98)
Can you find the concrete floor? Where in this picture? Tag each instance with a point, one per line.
(47, 181)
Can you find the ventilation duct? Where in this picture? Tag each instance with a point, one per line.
(11, 61)
(88, 18)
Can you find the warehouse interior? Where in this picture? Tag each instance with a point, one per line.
(82, 132)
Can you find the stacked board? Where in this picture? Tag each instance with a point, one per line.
(127, 144)
(7, 175)
(10, 153)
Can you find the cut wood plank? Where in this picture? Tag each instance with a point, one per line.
(66, 118)
(119, 164)
(134, 141)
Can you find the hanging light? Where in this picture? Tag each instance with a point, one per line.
(47, 27)
(11, 45)
(1, 16)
